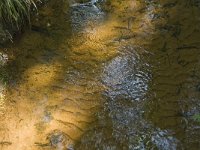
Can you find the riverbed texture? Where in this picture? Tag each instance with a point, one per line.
(104, 75)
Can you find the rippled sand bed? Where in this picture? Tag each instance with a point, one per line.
(105, 75)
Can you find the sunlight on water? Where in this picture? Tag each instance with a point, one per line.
(40, 75)
(102, 76)
(59, 92)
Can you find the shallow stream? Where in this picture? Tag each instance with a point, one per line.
(114, 75)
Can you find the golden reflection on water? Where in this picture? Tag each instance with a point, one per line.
(48, 101)
(43, 104)
(39, 75)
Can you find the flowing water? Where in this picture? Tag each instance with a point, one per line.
(105, 75)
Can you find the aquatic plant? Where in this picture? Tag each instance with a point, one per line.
(15, 12)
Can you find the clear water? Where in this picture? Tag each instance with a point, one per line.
(118, 75)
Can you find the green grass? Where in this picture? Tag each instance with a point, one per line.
(15, 12)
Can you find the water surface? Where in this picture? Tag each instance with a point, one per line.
(105, 75)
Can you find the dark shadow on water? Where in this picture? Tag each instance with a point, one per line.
(173, 95)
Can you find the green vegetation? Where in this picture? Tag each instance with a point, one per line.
(15, 12)
(196, 117)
